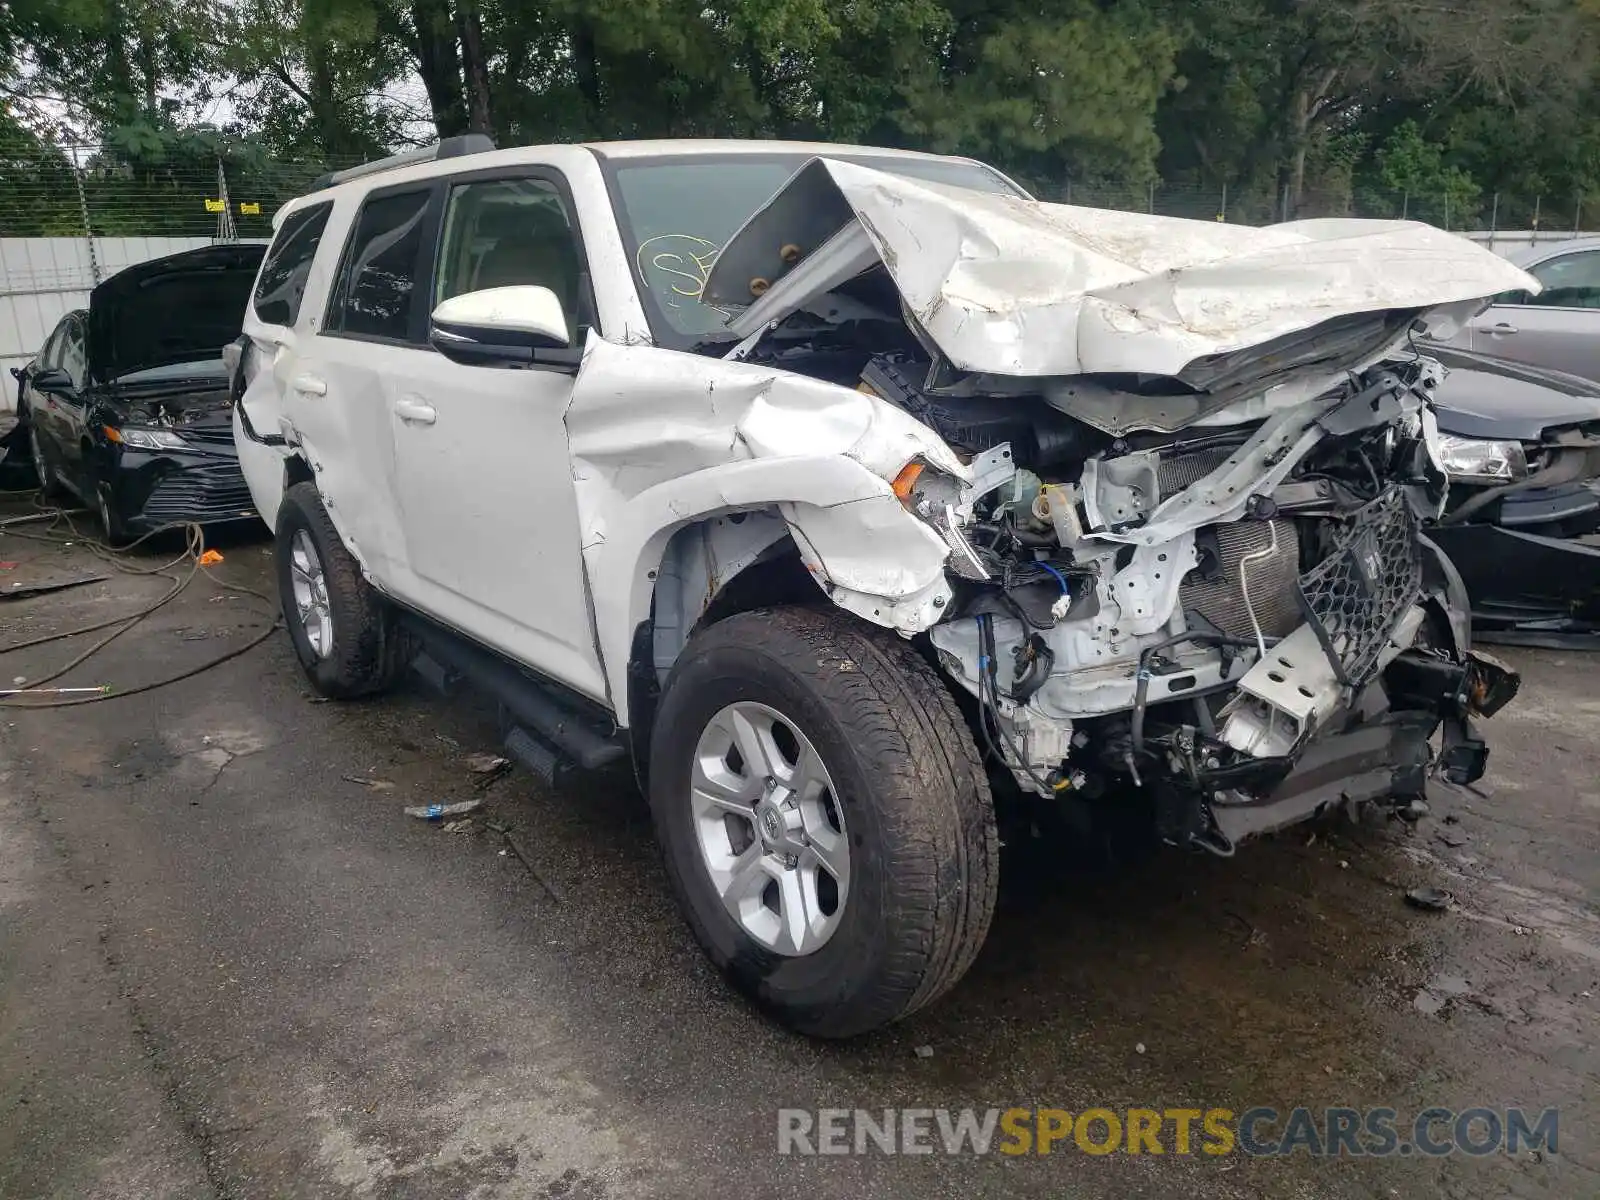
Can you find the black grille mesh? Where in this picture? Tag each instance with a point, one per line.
(1370, 577)
(213, 492)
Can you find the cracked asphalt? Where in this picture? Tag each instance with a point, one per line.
(231, 967)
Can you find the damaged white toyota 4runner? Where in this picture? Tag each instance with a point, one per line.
(852, 490)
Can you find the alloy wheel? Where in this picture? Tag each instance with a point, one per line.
(770, 828)
(310, 584)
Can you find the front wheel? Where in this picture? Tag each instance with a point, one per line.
(825, 818)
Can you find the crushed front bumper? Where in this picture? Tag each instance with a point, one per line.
(1381, 751)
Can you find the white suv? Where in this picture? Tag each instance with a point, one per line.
(851, 490)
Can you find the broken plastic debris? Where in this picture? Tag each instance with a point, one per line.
(437, 812)
(483, 764)
(1431, 898)
(924, 1051)
(210, 558)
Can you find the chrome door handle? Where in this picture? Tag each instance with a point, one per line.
(1501, 328)
(415, 412)
(310, 385)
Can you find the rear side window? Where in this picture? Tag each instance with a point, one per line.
(282, 282)
(376, 291)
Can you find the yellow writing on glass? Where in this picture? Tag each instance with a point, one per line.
(675, 265)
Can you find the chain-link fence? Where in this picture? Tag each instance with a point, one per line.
(74, 192)
(79, 193)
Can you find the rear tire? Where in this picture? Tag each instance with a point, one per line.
(344, 633)
(49, 483)
(910, 806)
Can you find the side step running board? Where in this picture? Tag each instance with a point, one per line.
(563, 732)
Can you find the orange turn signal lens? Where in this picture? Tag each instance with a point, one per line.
(112, 435)
(906, 480)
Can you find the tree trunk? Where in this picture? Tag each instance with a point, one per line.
(474, 67)
(150, 69)
(322, 101)
(439, 64)
(1300, 132)
(586, 65)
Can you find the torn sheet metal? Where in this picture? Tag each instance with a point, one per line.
(660, 439)
(1011, 286)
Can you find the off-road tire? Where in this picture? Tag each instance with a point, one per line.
(918, 814)
(369, 651)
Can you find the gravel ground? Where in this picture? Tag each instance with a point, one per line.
(229, 967)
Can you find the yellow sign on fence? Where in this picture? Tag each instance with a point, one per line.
(250, 209)
(214, 205)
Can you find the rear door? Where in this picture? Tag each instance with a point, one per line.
(349, 368)
(42, 409)
(69, 411)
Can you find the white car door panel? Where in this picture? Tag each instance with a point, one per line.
(481, 466)
(488, 509)
(337, 402)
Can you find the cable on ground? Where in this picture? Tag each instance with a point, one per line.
(194, 547)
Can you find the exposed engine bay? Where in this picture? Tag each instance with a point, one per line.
(209, 405)
(1190, 611)
(1199, 612)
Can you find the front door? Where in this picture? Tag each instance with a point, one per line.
(482, 471)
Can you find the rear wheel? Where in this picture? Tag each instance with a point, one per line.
(345, 635)
(825, 819)
(49, 481)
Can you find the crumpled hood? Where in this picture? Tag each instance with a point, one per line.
(182, 308)
(1010, 286)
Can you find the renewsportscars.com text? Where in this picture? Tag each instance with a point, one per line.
(1260, 1132)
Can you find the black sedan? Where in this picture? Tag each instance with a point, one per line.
(127, 406)
(1521, 447)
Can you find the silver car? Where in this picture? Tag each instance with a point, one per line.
(1559, 328)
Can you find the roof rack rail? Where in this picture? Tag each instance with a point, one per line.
(450, 147)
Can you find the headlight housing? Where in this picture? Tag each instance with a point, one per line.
(1474, 460)
(145, 439)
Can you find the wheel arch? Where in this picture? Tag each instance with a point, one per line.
(700, 533)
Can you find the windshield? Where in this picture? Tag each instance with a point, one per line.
(676, 213)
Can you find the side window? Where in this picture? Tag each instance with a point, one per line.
(1570, 281)
(375, 293)
(74, 355)
(282, 283)
(503, 232)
